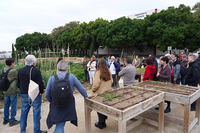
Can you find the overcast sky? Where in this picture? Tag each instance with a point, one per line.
(18, 17)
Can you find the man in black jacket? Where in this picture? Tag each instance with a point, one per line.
(23, 79)
(193, 75)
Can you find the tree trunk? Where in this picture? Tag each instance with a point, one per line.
(97, 53)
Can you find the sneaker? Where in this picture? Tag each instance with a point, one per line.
(43, 131)
(5, 122)
(15, 122)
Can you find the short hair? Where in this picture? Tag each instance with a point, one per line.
(152, 57)
(165, 58)
(59, 59)
(196, 54)
(193, 56)
(104, 57)
(128, 60)
(9, 61)
(168, 55)
(149, 61)
(30, 60)
(176, 55)
(62, 65)
(184, 55)
(113, 57)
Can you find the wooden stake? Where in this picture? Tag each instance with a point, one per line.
(197, 113)
(161, 117)
(186, 118)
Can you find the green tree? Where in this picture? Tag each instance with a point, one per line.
(168, 27)
(13, 51)
(122, 33)
(196, 9)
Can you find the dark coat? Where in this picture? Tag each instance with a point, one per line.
(193, 74)
(59, 115)
(23, 79)
(117, 67)
(165, 74)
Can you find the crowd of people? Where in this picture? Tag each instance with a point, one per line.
(102, 75)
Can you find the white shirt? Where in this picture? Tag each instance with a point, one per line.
(112, 67)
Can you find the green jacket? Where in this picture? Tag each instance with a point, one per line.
(12, 77)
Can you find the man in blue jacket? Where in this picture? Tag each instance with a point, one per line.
(114, 69)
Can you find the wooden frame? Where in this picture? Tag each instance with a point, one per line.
(186, 101)
(122, 116)
(139, 73)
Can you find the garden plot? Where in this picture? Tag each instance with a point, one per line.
(124, 104)
(168, 87)
(124, 97)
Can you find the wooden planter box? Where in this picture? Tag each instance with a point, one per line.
(125, 114)
(140, 74)
(185, 97)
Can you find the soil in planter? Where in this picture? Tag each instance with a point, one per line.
(124, 97)
(167, 87)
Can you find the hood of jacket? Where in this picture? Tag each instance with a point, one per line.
(176, 62)
(151, 67)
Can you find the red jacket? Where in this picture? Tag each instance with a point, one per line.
(149, 72)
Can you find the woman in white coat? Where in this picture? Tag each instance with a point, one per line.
(92, 68)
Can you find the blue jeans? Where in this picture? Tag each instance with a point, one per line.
(10, 100)
(26, 105)
(59, 128)
(183, 80)
(193, 105)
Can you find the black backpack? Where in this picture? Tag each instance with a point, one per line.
(4, 83)
(61, 92)
(183, 71)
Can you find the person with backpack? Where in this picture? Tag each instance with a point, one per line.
(59, 92)
(102, 83)
(176, 72)
(10, 93)
(25, 75)
(193, 76)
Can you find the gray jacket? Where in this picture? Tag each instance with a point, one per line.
(128, 75)
(176, 71)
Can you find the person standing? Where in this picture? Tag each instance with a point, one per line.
(23, 79)
(91, 67)
(149, 70)
(170, 60)
(114, 69)
(184, 63)
(165, 76)
(176, 77)
(11, 95)
(59, 116)
(136, 62)
(143, 62)
(193, 75)
(85, 62)
(128, 73)
(102, 82)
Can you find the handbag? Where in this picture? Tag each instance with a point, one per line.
(121, 82)
(33, 88)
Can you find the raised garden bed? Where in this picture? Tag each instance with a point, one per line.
(168, 87)
(124, 97)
